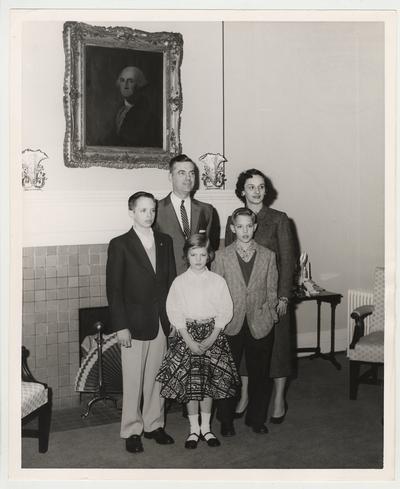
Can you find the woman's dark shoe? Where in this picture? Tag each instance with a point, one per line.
(192, 441)
(279, 419)
(211, 439)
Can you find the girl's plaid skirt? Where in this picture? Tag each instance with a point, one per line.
(185, 376)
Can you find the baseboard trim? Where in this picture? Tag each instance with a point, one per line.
(309, 339)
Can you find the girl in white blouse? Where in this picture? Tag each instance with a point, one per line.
(198, 366)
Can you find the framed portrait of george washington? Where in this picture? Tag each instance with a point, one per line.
(122, 96)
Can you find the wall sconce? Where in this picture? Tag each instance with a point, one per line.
(33, 174)
(213, 175)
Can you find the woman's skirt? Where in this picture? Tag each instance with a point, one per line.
(185, 376)
(282, 351)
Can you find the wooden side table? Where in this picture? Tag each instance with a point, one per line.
(333, 299)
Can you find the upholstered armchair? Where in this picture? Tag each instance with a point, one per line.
(35, 402)
(368, 346)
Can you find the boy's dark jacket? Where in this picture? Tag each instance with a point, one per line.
(136, 294)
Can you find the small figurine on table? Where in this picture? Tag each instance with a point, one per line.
(307, 286)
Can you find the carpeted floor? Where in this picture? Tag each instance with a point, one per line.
(323, 429)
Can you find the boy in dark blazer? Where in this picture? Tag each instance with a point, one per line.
(140, 269)
(252, 276)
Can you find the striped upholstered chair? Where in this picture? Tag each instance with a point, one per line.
(35, 402)
(368, 346)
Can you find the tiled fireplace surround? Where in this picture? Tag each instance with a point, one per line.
(57, 281)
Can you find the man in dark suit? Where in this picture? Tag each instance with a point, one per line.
(140, 270)
(137, 123)
(181, 216)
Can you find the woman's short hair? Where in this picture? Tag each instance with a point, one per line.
(199, 240)
(136, 196)
(243, 211)
(243, 177)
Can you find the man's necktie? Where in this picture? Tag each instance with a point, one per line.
(185, 220)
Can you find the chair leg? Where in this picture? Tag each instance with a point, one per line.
(374, 373)
(44, 425)
(354, 375)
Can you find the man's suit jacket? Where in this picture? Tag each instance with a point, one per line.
(258, 299)
(201, 222)
(136, 293)
(274, 232)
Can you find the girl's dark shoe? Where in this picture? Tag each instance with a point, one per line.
(192, 443)
(211, 439)
(279, 419)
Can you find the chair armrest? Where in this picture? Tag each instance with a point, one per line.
(359, 314)
(26, 373)
(362, 312)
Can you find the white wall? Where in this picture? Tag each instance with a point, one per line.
(304, 102)
(307, 107)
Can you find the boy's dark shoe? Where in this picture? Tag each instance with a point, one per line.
(260, 429)
(133, 444)
(227, 429)
(160, 436)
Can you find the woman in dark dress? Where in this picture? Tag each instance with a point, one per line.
(273, 232)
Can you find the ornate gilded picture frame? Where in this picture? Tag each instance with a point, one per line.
(122, 96)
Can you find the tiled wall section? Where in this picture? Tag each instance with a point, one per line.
(57, 281)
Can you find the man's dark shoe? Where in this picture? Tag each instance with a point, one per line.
(133, 444)
(227, 429)
(160, 436)
(260, 429)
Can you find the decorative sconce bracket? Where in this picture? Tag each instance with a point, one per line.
(213, 175)
(33, 174)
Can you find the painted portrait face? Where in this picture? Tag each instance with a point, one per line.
(143, 213)
(182, 178)
(127, 81)
(244, 228)
(254, 190)
(198, 258)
